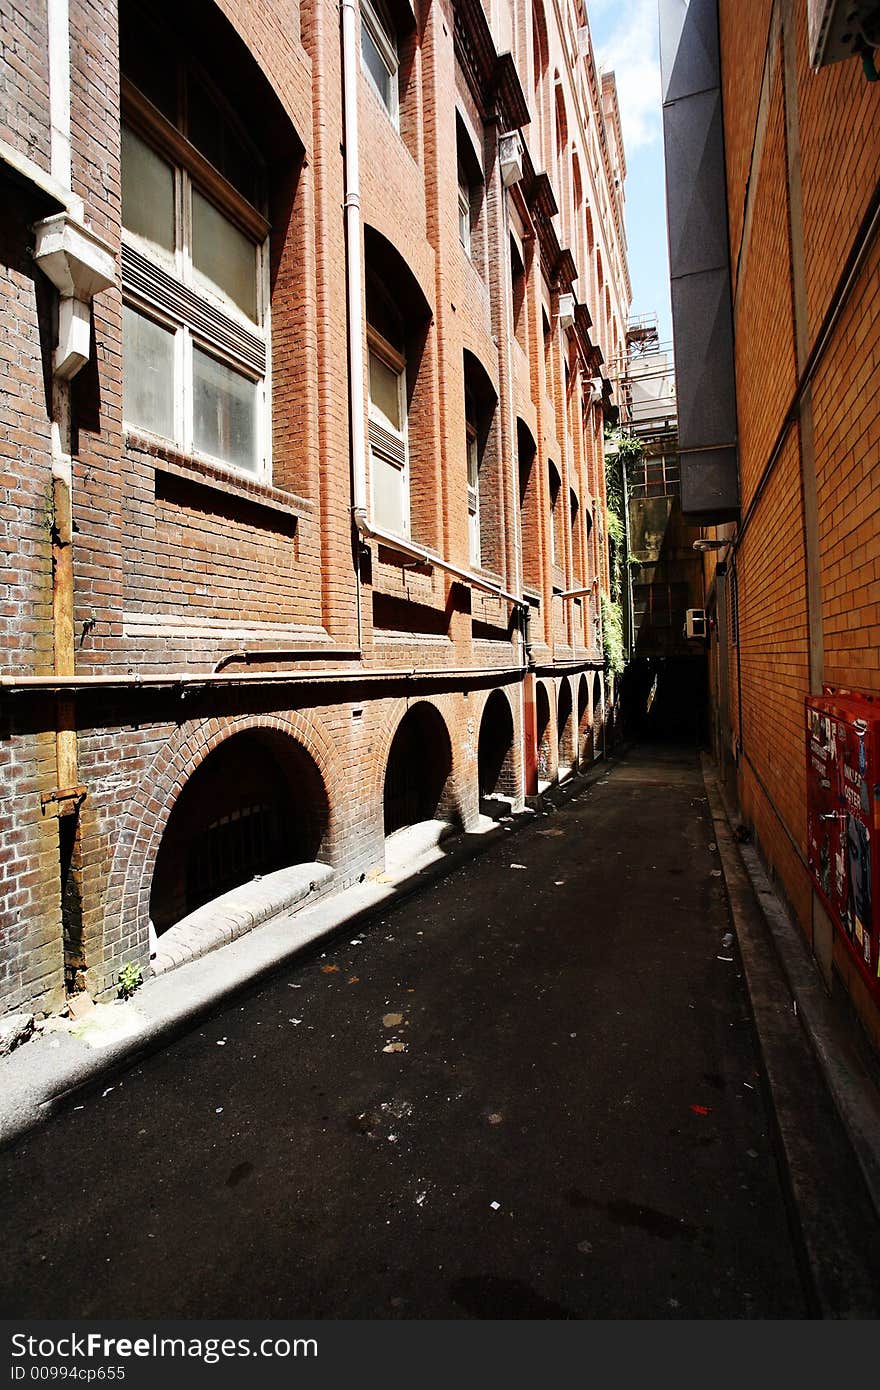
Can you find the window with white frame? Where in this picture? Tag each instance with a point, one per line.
(464, 208)
(389, 460)
(379, 55)
(473, 496)
(555, 486)
(194, 281)
(471, 232)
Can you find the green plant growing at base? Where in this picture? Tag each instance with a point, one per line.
(130, 979)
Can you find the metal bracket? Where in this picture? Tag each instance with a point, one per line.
(63, 801)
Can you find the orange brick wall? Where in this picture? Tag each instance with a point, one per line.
(765, 369)
(181, 569)
(740, 93)
(846, 396)
(835, 116)
(773, 641)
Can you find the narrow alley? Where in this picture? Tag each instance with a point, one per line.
(531, 1091)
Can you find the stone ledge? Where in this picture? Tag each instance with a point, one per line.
(226, 918)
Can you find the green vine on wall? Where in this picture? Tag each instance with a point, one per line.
(622, 451)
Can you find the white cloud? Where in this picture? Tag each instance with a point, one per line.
(628, 43)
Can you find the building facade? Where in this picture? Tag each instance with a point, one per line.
(307, 316)
(793, 576)
(664, 686)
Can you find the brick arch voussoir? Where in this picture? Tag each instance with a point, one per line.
(485, 700)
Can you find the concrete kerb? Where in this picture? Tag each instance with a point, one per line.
(40, 1076)
(855, 1096)
(833, 1213)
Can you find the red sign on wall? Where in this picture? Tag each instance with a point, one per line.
(843, 818)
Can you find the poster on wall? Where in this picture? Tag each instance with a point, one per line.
(843, 818)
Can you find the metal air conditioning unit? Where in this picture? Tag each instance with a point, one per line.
(510, 156)
(695, 624)
(566, 310)
(839, 29)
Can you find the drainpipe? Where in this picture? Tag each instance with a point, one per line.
(354, 286)
(79, 264)
(353, 261)
(67, 770)
(510, 172)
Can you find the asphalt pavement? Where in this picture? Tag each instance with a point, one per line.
(531, 1091)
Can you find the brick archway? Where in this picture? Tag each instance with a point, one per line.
(544, 708)
(397, 714)
(162, 784)
(564, 733)
(496, 746)
(584, 722)
(598, 716)
(448, 799)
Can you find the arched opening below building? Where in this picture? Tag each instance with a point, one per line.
(529, 504)
(563, 729)
(542, 727)
(256, 804)
(584, 724)
(610, 703)
(598, 717)
(419, 771)
(495, 761)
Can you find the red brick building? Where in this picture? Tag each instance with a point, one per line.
(794, 586)
(304, 324)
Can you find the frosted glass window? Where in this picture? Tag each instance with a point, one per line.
(223, 257)
(148, 375)
(224, 412)
(473, 461)
(380, 59)
(464, 210)
(385, 392)
(212, 133)
(388, 496)
(473, 477)
(147, 195)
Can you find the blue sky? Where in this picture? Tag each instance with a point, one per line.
(626, 38)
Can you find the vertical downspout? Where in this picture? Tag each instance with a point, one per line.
(354, 282)
(514, 531)
(353, 256)
(62, 531)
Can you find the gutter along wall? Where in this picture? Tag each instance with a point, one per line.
(207, 604)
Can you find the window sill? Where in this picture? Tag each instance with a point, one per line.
(169, 460)
(489, 575)
(393, 125)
